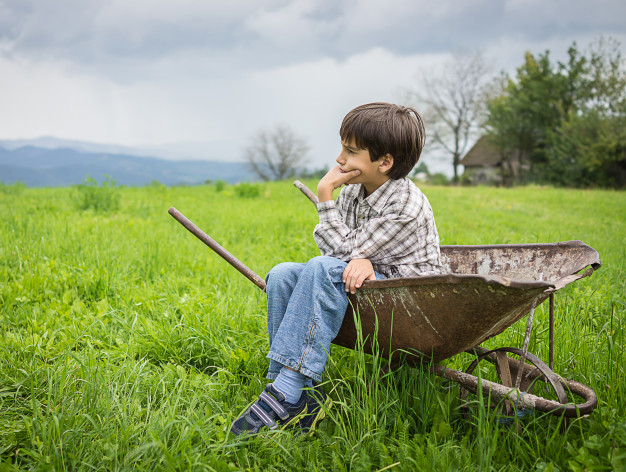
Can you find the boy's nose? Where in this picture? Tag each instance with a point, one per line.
(340, 160)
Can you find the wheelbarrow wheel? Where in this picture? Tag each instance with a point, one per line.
(507, 370)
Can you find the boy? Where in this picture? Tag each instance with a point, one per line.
(381, 226)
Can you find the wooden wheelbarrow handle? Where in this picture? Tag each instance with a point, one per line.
(227, 256)
(306, 190)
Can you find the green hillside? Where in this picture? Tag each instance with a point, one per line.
(127, 344)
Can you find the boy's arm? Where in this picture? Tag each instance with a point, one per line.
(379, 239)
(383, 239)
(333, 179)
(360, 269)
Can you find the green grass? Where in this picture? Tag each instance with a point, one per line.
(127, 344)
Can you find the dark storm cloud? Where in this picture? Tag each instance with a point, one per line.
(89, 31)
(253, 34)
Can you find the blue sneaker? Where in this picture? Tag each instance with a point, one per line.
(316, 400)
(270, 411)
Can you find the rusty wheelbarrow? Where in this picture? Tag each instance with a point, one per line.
(484, 290)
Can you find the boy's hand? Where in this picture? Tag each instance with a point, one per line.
(356, 272)
(333, 179)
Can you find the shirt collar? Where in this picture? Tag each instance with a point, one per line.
(378, 199)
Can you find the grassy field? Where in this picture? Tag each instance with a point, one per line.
(126, 344)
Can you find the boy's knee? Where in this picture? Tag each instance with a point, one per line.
(282, 271)
(327, 264)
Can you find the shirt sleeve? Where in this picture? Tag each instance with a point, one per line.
(380, 239)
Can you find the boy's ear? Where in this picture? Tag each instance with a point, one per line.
(386, 163)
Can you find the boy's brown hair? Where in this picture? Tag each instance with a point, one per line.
(385, 128)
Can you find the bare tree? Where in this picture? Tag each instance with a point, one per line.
(277, 154)
(453, 103)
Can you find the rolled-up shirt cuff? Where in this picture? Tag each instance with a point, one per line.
(327, 211)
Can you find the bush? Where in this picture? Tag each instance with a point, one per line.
(246, 190)
(90, 195)
(12, 189)
(439, 178)
(220, 185)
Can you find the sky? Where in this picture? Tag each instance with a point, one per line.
(201, 78)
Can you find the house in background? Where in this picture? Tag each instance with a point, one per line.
(485, 164)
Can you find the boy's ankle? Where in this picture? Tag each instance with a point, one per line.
(290, 383)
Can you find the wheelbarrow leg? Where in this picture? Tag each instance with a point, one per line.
(551, 345)
(529, 328)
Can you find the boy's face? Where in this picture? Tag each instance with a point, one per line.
(373, 174)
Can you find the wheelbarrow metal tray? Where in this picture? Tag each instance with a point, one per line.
(487, 289)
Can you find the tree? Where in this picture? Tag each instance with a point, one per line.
(522, 113)
(596, 132)
(588, 150)
(453, 103)
(565, 121)
(277, 154)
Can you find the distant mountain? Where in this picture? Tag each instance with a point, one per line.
(48, 166)
(50, 142)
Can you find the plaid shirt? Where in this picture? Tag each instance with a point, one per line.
(393, 227)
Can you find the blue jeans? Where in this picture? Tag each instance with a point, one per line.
(306, 304)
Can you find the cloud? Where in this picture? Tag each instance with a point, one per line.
(223, 111)
(151, 72)
(248, 34)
